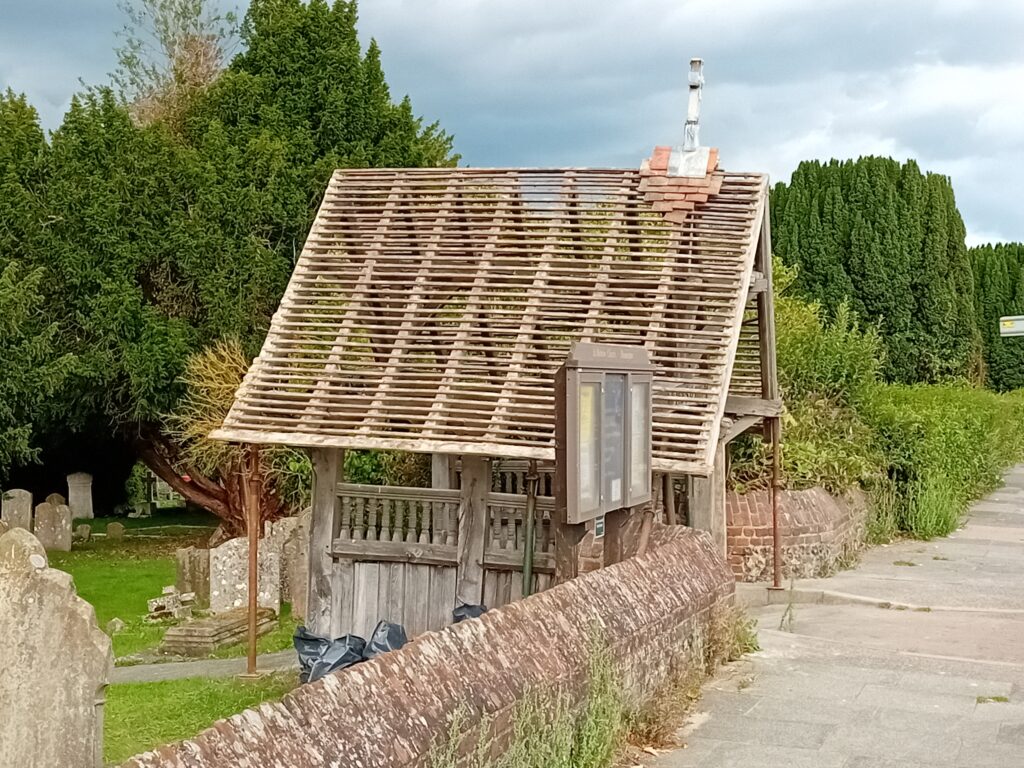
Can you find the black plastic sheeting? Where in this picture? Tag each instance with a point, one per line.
(319, 656)
(386, 637)
(467, 611)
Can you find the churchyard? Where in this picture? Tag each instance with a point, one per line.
(118, 567)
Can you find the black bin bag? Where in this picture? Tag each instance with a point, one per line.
(466, 611)
(319, 656)
(386, 637)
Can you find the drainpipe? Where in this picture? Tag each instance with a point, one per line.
(776, 424)
(532, 481)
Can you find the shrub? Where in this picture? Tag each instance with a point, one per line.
(943, 446)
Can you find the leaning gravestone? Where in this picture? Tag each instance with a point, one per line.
(80, 495)
(193, 574)
(229, 577)
(53, 526)
(56, 663)
(17, 509)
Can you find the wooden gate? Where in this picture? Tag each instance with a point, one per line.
(394, 558)
(395, 555)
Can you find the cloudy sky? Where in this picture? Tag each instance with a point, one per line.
(599, 82)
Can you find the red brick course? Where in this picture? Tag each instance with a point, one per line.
(818, 532)
(653, 610)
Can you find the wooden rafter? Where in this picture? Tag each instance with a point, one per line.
(430, 309)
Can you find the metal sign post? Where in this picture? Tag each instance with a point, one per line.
(1013, 325)
(602, 444)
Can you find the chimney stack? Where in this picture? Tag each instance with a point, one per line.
(691, 159)
(691, 139)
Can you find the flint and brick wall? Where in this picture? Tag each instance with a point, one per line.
(653, 611)
(819, 533)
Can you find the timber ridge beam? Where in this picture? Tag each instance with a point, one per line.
(740, 405)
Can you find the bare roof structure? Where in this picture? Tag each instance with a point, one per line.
(430, 308)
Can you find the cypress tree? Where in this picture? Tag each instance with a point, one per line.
(889, 240)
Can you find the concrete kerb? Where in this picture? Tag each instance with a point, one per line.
(757, 595)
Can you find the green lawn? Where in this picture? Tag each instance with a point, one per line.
(276, 640)
(118, 577)
(140, 716)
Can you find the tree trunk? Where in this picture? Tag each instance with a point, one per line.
(224, 497)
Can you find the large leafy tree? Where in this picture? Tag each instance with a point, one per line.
(165, 236)
(889, 240)
(31, 369)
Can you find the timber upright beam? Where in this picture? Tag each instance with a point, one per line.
(327, 464)
(568, 536)
(770, 381)
(473, 513)
(707, 501)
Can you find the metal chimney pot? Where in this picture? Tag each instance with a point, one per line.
(691, 139)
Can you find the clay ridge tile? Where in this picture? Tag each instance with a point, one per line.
(676, 196)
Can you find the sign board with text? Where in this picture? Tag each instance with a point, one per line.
(1011, 326)
(607, 412)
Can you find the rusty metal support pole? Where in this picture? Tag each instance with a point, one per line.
(529, 526)
(776, 429)
(252, 513)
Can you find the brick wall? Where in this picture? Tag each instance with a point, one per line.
(652, 609)
(819, 533)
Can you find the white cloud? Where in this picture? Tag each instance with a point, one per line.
(599, 82)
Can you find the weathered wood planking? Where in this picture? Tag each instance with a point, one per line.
(430, 308)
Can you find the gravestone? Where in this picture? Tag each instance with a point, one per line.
(83, 532)
(4, 527)
(80, 495)
(229, 576)
(53, 526)
(115, 531)
(193, 574)
(295, 562)
(57, 663)
(17, 509)
(56, 500)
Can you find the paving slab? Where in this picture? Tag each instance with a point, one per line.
(855, 677)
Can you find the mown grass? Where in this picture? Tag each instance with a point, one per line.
(118, 577)
(278, 639)
(141, 716)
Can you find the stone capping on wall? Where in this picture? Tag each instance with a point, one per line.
(653, 610)
(820, 533)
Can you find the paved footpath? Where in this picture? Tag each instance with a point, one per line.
(177, 670)
(913, 660)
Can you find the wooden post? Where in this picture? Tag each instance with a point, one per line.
(615, 523)
(326, 472)
(668, 496)
(440, 470)
(567, 535)
(250, 487)
(707, 501)
(476, 484)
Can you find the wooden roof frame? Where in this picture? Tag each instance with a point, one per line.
(430, 308)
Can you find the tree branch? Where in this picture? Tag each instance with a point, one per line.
(209, 496)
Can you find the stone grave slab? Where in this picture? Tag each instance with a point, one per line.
(204, 636)
(57, 663)
(80, 495)
(53, 526)
(229, 577)
(17, 509)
